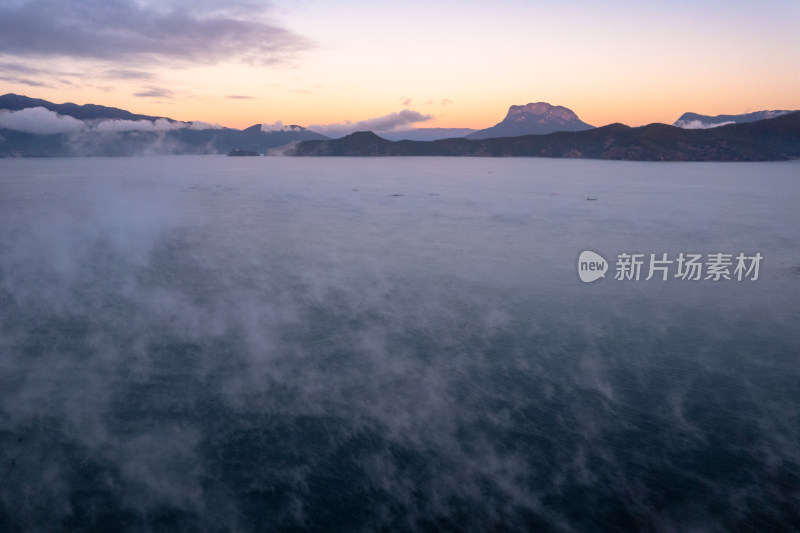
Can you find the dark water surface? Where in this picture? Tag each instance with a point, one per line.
(273, 344)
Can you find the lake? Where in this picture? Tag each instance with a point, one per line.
(203, 343)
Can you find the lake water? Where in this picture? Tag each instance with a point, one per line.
(334, 344)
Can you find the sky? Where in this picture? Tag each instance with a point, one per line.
(355, 63)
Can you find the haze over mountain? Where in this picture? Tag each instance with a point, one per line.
(34, 127)
(697, 121)
(533, 119)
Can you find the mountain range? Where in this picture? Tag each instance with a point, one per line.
(35, 127)
(774, 139)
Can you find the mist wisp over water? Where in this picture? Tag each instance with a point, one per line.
(333, 344)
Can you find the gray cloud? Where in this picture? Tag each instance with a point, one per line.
(27, 73)
(390, 122)
(239, 97)
(8, 66)
(36, 74)
(145, 32)
(155, 92)
(128, 74)
(24, 81)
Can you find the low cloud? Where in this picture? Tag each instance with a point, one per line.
(278, 126)
(776, 113)
(160, 124)
(391, 122)
(239, 97)
(200, 125)
(700, 125)
(40, 121)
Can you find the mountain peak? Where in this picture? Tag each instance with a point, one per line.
(537, 118)
(543, 109)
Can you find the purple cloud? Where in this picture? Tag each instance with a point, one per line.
(391, 122)
(145, 33)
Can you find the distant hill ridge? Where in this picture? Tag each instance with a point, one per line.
(773, 139)
(16, 102)
(697, 121)
(426, 134)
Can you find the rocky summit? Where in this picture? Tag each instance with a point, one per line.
(533, 119)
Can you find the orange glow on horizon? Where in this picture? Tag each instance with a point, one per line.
(304, 110)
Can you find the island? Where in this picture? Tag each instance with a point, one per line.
(238, 153)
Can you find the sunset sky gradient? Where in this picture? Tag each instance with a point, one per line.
(460, 63)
